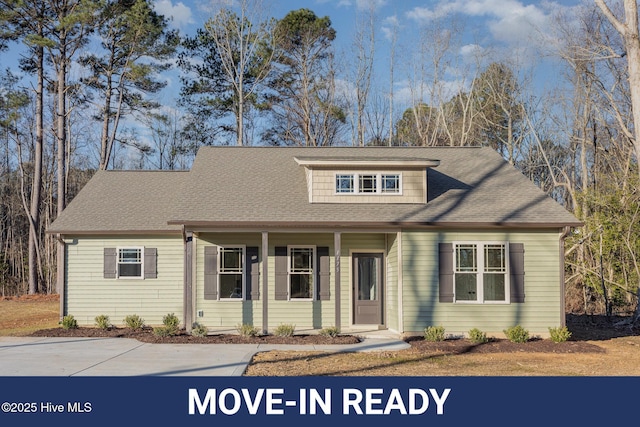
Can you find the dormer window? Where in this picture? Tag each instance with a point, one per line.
(368, 183)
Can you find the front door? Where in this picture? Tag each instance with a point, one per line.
(367, 288)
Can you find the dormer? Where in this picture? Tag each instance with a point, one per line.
(366, 180)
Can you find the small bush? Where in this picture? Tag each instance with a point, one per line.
(134, 322)
(102, 321)
(164, 331)
(477, 336)
(69, 322)
(434, 333)
(285, 330)
(331, 331)
(517, 334)
(247, 330)
(171, 321)
(559, 334)
(198, 330)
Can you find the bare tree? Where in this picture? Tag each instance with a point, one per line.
(245, 46)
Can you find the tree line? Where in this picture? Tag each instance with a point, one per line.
(93, 70)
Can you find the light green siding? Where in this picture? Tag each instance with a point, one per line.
(225, 314)
(392, 282)
(88, 294)
(542, 306)
(303, 314)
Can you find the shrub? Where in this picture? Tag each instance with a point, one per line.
(198, 330)
(331, 331)
(102, 321)
(559, 334)
(284, 330)
(434, 333)
(164, 331)
(134, 322)
(246, 330)
(517, 334)
(171, 321)
(69, 322)
(477, 336)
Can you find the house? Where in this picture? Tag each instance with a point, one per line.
(396, 238)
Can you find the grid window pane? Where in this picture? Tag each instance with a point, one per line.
(231, 260)
(390, 183)
(344, 184)
(368, 183)
(301, 259)
(130, 255)
(466, 258)
(494, 258)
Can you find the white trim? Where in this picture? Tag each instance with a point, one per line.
(360, 162)
(314, 275)
(141, 249)
(243, 273)
(480, 249)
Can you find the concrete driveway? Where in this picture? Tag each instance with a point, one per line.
(31, 356)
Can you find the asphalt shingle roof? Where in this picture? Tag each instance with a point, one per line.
(264, 186)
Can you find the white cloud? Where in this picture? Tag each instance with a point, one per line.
(509, 21)
(370, 4)
(179, 14)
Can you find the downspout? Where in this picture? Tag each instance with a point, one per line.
(61, 277)
(563, 318)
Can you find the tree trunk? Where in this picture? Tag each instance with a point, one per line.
(34, 213)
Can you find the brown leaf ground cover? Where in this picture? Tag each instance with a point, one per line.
(599, 346)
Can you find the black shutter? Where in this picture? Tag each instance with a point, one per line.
(150, 263)
(324, 273)
(516, 270)
(109, 264)
(252, 274)
(211, 272)
(281, 282)
(446, 272)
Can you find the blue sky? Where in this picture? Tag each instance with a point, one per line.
(514, 30)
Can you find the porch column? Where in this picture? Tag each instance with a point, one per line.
(188, 281)
(337, 244)
(265, 282)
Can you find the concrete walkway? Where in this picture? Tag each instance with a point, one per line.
(32, 356)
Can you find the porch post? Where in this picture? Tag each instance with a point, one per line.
(265, 282)
(337, 243)
(400, 271)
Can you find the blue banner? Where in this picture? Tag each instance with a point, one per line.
(311, 401)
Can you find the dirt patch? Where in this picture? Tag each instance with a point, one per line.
(146, 335)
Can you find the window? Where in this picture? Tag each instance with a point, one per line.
(368, 183)
(344, 184)
(480, 273)
(231, 272)
(301, 268)
(390, 184)
(130, 262)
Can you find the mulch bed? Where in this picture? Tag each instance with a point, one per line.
(146, 335)
(583, 328)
